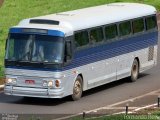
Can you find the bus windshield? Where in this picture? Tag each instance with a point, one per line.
(35, 48)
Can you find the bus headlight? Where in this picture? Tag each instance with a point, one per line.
(50, 83)
(57, 83)
(11, 81)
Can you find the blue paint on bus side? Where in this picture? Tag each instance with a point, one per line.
(120, 47)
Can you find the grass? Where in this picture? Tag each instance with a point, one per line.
(13, 11)
(129, 117)
(113, 117)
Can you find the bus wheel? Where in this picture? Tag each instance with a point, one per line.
(77, 89)
(134, 71)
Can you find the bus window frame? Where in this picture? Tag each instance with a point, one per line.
(144, 30)
(80, 47)
(113, 39)
(153, 29)
(96, 43)
(128, 35)
(118, 37)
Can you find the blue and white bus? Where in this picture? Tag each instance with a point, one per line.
(64, 54)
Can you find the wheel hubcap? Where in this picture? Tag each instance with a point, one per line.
(77, 88)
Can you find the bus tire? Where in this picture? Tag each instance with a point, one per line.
(134, 71)
(77, 89)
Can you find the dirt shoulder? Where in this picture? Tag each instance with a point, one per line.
(158, 19)
(2, 80)
(1, 2)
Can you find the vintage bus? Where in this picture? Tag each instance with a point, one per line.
(64, 54)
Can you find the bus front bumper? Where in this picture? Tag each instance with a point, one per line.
(34, 92)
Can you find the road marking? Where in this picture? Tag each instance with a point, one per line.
(137, 109)
(141, 108)
(67, 117)
(135, 98)
(157, 94)
(125, 101)
(117, 108)
(112, 105)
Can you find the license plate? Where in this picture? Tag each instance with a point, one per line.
(29, 81)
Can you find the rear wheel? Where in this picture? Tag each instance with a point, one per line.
(134, 71)
(77, 89)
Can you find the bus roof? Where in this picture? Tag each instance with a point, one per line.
(75, 20)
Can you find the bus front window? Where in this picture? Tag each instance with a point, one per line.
(47, 49)
(19, 47)
(35, 48)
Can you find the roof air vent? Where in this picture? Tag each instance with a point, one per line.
(43, 21)
(65, 14)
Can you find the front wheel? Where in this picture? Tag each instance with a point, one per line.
(77, 89)
(134, 71)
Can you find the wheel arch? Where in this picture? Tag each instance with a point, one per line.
(137, 58)
(135, 69)
(82, 79)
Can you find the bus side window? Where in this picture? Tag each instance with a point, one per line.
(81, 39)
(96, 35)
(125, 28)
(138, 25)
(151, 22)
(111, 32)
